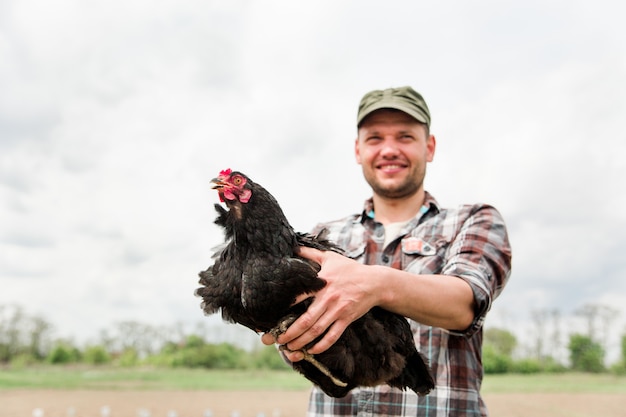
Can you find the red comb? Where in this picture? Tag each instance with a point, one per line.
(226, 172)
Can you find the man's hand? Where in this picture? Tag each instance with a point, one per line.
(346, 297)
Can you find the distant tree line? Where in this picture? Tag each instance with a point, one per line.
(547, 339)
(28, 340)
(585, 355)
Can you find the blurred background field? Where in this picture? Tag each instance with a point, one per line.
(141, 378)
(80, 391)
(110, 378)
(140, 370)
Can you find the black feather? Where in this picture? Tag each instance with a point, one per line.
(256, 277)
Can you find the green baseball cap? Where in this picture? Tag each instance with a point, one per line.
(402, 98)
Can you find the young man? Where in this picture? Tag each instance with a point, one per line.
(440, 268)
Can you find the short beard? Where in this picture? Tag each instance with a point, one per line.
(405, 190)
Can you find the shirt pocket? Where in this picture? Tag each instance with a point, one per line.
(423, 255)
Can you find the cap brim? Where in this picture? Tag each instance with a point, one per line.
(392, 105)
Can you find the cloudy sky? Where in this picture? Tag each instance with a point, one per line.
(114, 116)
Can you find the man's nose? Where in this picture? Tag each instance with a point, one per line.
(389, 149)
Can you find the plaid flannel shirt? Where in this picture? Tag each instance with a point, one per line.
(469, 242)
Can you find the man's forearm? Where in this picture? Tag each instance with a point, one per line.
(436, 300)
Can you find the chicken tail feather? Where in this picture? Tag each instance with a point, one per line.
(415, 375)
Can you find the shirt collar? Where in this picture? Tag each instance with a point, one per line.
(430, 206)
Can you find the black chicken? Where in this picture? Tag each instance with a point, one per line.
(257, 276)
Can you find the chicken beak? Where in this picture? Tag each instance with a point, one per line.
(218, 184)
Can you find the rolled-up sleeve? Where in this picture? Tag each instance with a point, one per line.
(480, 255)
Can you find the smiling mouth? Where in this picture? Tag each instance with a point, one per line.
(390, 167)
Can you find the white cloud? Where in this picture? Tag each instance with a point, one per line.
(114, 117)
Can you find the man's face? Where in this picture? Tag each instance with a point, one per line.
(393, 150)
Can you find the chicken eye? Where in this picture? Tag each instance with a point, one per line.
(237, 180)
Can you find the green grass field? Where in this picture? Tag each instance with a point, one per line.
(196, 379)
(148, 379)
(568, 382)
